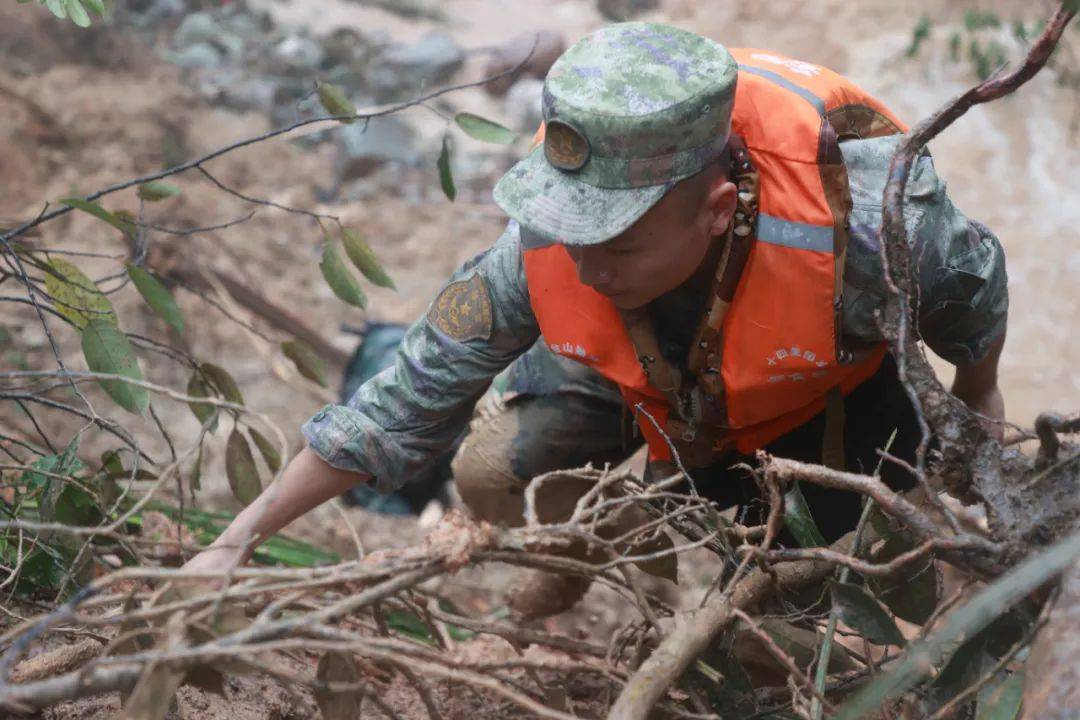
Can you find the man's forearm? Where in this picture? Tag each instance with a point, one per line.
(308, 481)
(977, 386)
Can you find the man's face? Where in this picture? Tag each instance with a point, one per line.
(661, 250)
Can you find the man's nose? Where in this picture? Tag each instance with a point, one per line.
(591, 267)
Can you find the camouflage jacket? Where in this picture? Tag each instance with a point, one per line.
(403, 418)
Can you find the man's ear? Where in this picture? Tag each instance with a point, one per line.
(721, 201)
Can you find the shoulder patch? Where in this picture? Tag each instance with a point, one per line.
(463, 310)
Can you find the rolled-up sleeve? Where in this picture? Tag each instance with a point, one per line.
(404, 417)
(963, 297)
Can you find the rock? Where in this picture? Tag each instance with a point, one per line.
(247, 23)
(201, 29)
(620, 10)
(250, 94)
(198, 56)
(299, 53)
(549, 46)
(232, 45)
(346, 47)
(198, 27)
(386, 139)
(413, 9)
(149, 12)
(293, 96)
(523, 109)
(404, 69)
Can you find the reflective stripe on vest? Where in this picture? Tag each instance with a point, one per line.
(779, 356)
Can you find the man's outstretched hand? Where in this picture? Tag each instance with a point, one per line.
(306, 482)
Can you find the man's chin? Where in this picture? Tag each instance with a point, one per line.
(627, 302)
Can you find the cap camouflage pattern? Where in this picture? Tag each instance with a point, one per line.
(630, 110)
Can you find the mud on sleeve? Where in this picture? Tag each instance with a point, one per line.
(959, 264)
(404, 417)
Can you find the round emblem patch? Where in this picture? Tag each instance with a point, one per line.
(564, 146)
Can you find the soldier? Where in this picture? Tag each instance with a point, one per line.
(696, 237)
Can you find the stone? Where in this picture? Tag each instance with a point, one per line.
(250, 94)
(299, 53)
(385, 139)
(549, 45)
(402, 70)
(148, 12)
(198, 27)
(232, 46)
(348, 47)
(621, 10)
(199, 56)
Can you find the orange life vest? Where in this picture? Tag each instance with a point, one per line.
(781, 353)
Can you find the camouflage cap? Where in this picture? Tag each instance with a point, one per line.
(629, 111)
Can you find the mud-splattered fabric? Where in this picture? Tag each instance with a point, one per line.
(963, 289)
(405, 417)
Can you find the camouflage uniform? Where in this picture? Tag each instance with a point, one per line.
(562, 414)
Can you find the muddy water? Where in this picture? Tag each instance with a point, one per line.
(1012, 165)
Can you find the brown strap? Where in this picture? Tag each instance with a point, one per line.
(658, 371)
(695, 422)
(832, 442)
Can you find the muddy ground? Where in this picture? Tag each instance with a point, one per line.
(84, 111)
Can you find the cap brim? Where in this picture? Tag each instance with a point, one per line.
(556, 207)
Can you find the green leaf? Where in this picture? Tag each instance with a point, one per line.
(56, 7)
(240, 469)
(198, 387)
(963, 668)
(95, 6)
(278, 549)
(865, 615)
(334, 102)
(77, 13)
(111, 464)
(220, 378)
(43, 570)
(802, 645)
(964, 622)
(121, 224)
(918, 36)
(75, 296)
(114, 468)
(338, 277)
(446, 177)
(409, 623)
(127, 221)
(1001, 701)
(65, 463)
(266, 449)
(307, 362)
(364, 258)
(107, 350)
(484, 129)
(799, 521)
(912, 593)
(157, 190)
(195, 478)
(76, 507)
(157, 296)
